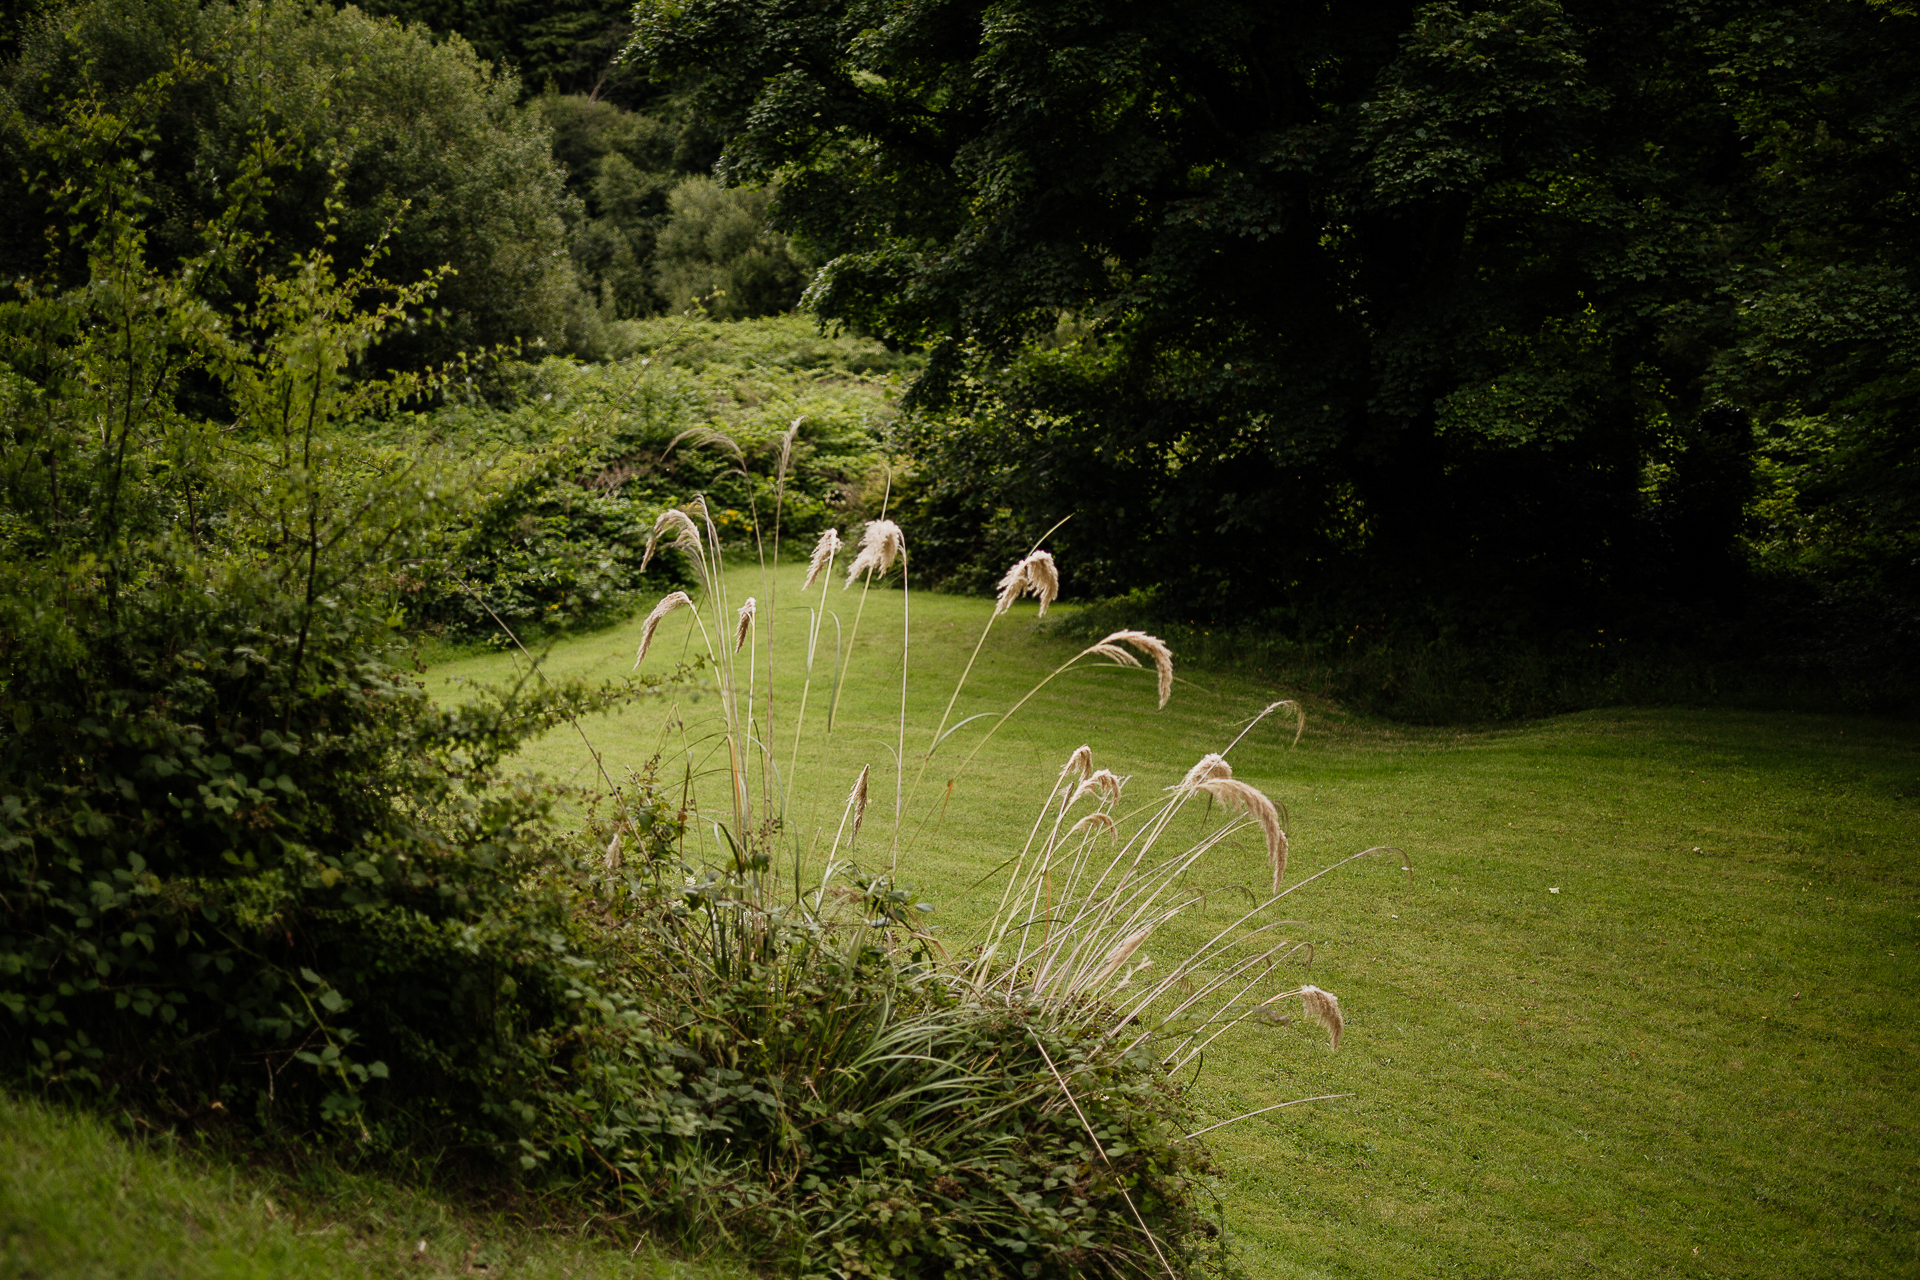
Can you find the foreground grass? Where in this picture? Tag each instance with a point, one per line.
(1697, 1057)
(77, 1199)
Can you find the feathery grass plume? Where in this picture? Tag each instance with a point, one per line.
(857, 798)
(881, 543)
(1153, 646)
(787, 438)
(1080, 762)
(1237, 794)
(1035, 573)
(1114, 654)
(1121, 953)
(686, 534)
(1012, 583)
(677, 600)
(1099, 780)
(1324, 1008)
(1210, 766)
(743, 624)
(1043, 579)
(1098, 818)
(823, 554)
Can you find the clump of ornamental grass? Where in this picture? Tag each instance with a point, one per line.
(864, 1034)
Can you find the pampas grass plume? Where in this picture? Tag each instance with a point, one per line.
(1035, 573)
(1236, 794)
(1154, 647)
(678, 600)
(1100, 780)
(823, 554)
(1098, 818)
(857, 798)
(1043, 579)
(743, 624)
(881, 543)
(1080, 762)
(1210, 766)
(1324, 1008)
(686, 534)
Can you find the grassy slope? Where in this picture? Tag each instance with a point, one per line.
(76, 1199)
(1696, 1058)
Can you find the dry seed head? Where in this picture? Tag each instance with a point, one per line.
(743, 624)
(1080, 762)
(823, 554)
(1114, 653)
(1155, 648)
(686, 534)
(1012, 583)
(1121, 952)
(1211, 766)
(787, 438)
(1043, 579)
(1100, 780)
(857, 798)
(881, 543)
(1324, 1008)
(1098, 818)
(1037, 574)
(1238, 795)
(678, 600)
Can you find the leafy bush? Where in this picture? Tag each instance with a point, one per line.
(247, 867)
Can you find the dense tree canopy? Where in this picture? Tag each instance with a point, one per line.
(415, 146)
(1324, 307)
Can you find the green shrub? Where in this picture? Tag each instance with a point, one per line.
(248, 868)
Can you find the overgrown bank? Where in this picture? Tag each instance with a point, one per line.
(255, 885)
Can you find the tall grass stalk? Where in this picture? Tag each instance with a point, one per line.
(833, 709)
(819, 566)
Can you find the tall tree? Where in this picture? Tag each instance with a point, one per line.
(402, 145)
(1433, 299)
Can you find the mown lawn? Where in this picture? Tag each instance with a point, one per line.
(80, 1200)
(1696, 1057)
